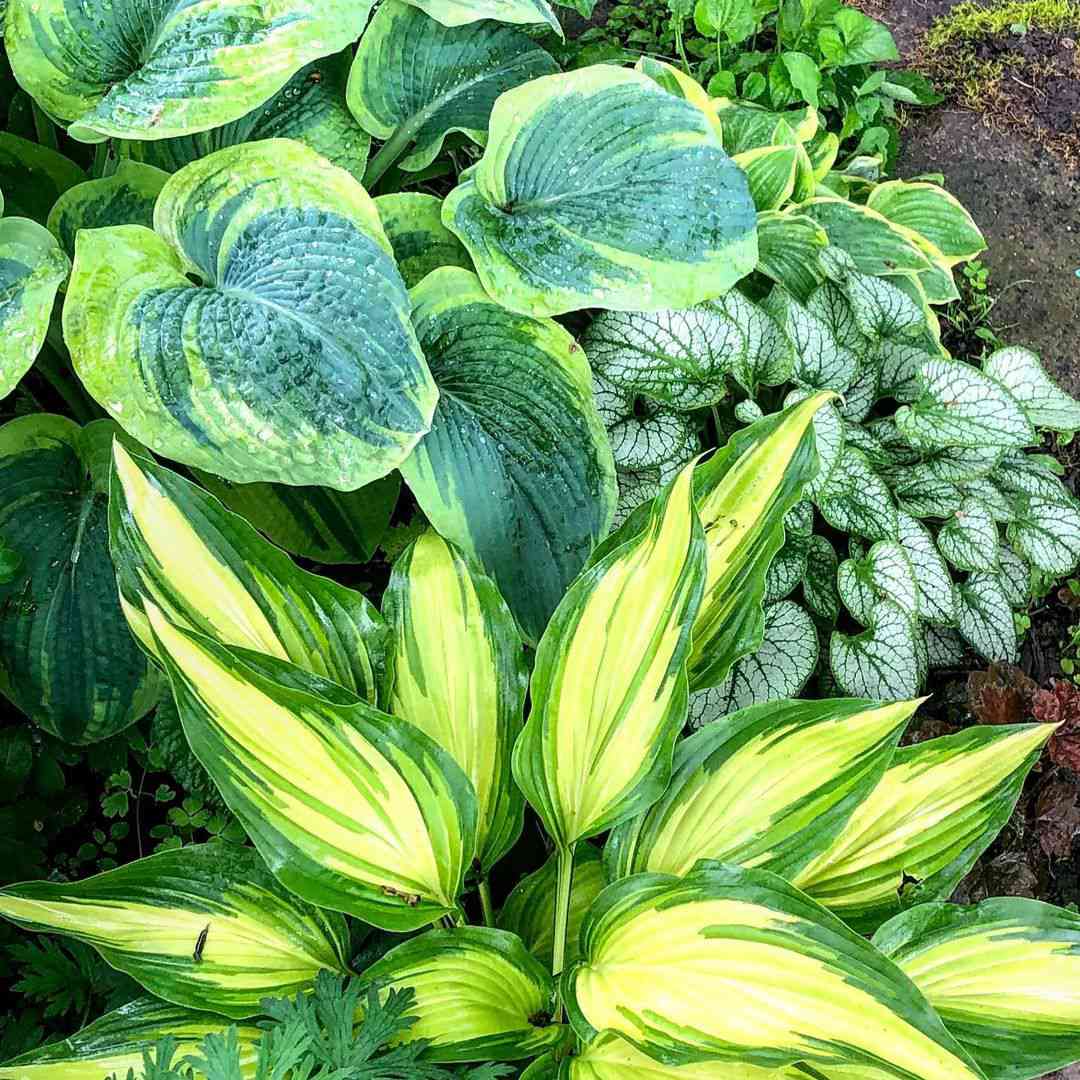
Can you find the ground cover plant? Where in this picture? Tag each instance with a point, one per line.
(409, 440)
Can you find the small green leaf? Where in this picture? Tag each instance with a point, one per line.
(804, 75)
(866, 41)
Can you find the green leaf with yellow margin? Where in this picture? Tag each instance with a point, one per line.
(421, 242)
(463, 12)
(931, 212)
(148, 917)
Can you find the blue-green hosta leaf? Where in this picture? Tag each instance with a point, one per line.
(308, 377)
(821, 361)
(886, 572)
(932, 213)
(1001, 974)
(415, 80)
(1047, 532)
(985, 618)
(898, 364)
(177, 547)
(145, 918)
(421, 242)
(936, 591)
(969, 538)
(132, 70)
(463, 12)
(856, 500)
(944, 647)
(768, 786)
(675, 81)
(33, 177)
(517, 468)
(789, 251)
(66, 656)
(960, 406)
(309, 108)
(819, 585)
(884, 662)
(1021, 373)
(798, 985)
(598, 188)
(32, 268)
(787, 569)
(937, 808)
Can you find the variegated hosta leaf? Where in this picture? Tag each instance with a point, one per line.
(529, 910)
(1021, 373)
(772, 170)
(310, 108)
(821, 361)
(856, 500)
(517, 468)
(139, 71)
(985, 618)
(937, 808)
(563, 211)
(33, 177)
(819, 585)
(309, 377)
(960, 406)
(351, 809)
(147, 917)
(969, 538)
(789, 250)
(459, 675)
(885, 661)
(931, 212)
(421, 242)
(676, 81)
(114, 1045)
(1047, 531)
(480, 994)
(463, 12)
(797, 984)
(1004, 975)
(777, 668)
(67, 659)
(885, 572)
(177, 548)
(769, 786)
(415, 80)
(32, 268)
(937, 594)
(608, 686)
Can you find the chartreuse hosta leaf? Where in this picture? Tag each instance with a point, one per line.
(480, 994)
(529, 910)
(938, 806)
(933, 214)
(421, 242)
(463, 12)
(598, 188)
(459, 675)
(886, 660)
(414, 80)
(66, 657)
(32, 268)
(1023, 375)
(309, 377)
(796, 983)
(1004, 975)
(517, 469)
(115, 1044)
(352, 809)
(142, 71)
(769, 786)
(147, 917)
(609, 672)
(176, 547)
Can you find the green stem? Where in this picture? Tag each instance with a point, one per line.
(562, 915)
(44, 129)
(485, 902)
(50, 365)
(388, 153)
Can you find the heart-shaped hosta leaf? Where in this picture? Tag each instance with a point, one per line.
(768, 786)
(133, 70)
(969, 538)
(459, 675)
(885, 572)
(598, 188)
(33, 177)
(819, 585)
(985, 618)
(480, 995)
(414, 80)
(67, 658)
(313, 376)
(529, 910)
(351, 809)
(797, 984)
(822, 362)
(1001, 974)
(1047, 532)
(421, 242)
(885, 661)
(32, 268)
(960, 406)
(936, 809)
(789, 249)
(937, 594)
(178, 548)
(856, 500)
(932, 213)
(463, 12)
(150, 917)
(1021, 373)
(517, 469)
(609, 672)
(126, 197)
(309, 108)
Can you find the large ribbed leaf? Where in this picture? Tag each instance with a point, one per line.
(313, 376)
(480, 994)
(789, 247)
(517, 468)
(146, 918)
(462, 12)
(609, 689)
(139, 70)
(178, 548)
(598, 188)
(931, 212)
(459, 675)
(769, 786)
(421, 242)
(67, 658)
(659, 952)
(936, 809)
(414, 80)
(1004, 975)
(33, 177)
(351, 809)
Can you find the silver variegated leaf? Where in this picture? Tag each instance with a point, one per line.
(1014, 574)
(937, 593)
(885, 573)
(986, 619)
(944, 647)
(880, 309)
(787, 569)
(969, 538)
(828, 440)
(856, 500)
(1047, 532)
(1020, 371)
(929, 499)
(821, 361)
(898, 364)
(883, 662)
(819, 585)
(860, 396)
